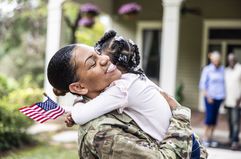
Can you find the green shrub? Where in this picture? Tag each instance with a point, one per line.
(179, 93)
(13, 124)
(6, 85)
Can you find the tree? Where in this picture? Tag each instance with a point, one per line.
(23, 30)
(82, 23)
(27, 21)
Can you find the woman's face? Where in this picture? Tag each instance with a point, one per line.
(215, 61)
(95, 71)
(215, 58)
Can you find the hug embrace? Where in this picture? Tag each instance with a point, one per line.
(122, 114)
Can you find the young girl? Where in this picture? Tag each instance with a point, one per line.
(133, 93)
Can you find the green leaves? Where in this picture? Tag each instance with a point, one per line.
(90, 36)
(12, 123)
(25, 19)
(71, 10)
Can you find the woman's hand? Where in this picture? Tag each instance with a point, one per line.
(68, 120)
(210, 100)
(170, 100)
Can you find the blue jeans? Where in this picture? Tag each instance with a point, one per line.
(195, 149)
(234, 123)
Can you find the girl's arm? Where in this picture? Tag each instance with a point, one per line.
(109, 100)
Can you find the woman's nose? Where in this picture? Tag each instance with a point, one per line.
(104, 59)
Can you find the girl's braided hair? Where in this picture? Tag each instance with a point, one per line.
(123, 53)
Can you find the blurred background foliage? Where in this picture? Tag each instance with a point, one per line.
(76, 33)
(23, 36)
(12, 123)
(22, 39)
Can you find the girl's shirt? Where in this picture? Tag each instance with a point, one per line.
(139, 98)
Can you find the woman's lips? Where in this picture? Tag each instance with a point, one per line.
(111, 68)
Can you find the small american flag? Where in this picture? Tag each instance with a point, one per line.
(43, 111)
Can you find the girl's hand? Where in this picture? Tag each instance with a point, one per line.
(68, 120)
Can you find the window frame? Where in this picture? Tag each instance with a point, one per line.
(212, 23)
(141, 26)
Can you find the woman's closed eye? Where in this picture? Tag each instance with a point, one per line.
(92, 63)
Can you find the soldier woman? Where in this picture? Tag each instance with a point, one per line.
(80, 70)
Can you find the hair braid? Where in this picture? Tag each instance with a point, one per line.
(105, 40)
(123, 53)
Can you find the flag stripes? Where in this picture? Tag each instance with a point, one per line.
(43, 111)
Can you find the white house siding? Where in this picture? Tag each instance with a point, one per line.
(189, 60)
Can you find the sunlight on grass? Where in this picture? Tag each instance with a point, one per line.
(44, 152)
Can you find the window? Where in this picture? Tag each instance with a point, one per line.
(224, 33)
(224, 37)
(149, 37)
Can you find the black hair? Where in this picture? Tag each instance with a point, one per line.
(122, 52)
(61, 71)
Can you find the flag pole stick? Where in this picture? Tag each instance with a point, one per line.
(45, 95)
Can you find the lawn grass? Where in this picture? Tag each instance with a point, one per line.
(43, 151)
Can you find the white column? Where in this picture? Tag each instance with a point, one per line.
(169, 46)
(106, 20)
(53, 38)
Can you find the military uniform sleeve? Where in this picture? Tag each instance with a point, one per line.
(181, 119)
(179, 135)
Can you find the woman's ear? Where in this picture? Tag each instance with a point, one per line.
(77, 88)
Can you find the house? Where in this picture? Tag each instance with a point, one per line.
(174, 37)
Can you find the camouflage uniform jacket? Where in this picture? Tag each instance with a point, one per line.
(117, 136)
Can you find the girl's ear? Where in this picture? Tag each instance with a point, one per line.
(77, 88)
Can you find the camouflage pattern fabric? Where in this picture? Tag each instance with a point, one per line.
(117, 136)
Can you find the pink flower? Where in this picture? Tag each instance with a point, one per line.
(90, 8)
(87, 22)
(129, 8)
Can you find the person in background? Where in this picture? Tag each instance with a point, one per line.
(213, 88)
(233, 98)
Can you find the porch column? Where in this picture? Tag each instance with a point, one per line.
(53, 38)
(169, 46)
